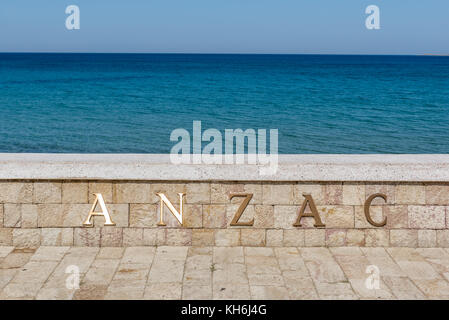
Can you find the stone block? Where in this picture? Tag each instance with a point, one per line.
(154, 237)
(143, 215)
(355, 237)
(58, 215)
(227, 237)
(335, 237)
(29, 215)
(377, 238)
(427, 238)
(198, 193)
(397, 217)
(285, 217)
(16, 192)
(132, 237)
(87, 237)
(278, 193)
(214, 216)
(105, 188)
(12, 215)
(26, 238)
(263, 216)
(178, 237)
(193, 216)
(274, 237)
(410, 194)
(6, 236)
(443, 238)
(56, 237)
(75, 192)
(426, 217)
(294, 238)
(437, 194)
(203, 237)
(133, 193)
(111, 237)
(337, 217)
(20, 215)
(404, 238)
(252, 237)
(333, 193)
(47, 192)
(353, 194)
(314, 237)
(314, 189)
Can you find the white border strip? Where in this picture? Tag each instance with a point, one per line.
(157, 167)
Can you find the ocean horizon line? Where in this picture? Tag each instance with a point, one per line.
(232, 53)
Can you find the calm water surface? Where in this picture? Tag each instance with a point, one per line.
(123, 103)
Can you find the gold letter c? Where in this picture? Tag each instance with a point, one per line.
(367, 206)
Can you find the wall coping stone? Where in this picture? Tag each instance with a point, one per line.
(293, 167)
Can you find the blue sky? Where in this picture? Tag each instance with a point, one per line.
(226, 26)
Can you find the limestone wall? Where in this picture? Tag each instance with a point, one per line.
(51, 213)
(36, 211)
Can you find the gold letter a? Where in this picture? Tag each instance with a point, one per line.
(104, 212)
(308, 201)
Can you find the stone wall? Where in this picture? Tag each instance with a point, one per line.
(51, 213)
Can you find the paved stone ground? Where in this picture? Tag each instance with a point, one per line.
(223, 273)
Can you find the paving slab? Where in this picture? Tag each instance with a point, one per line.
(223, 273)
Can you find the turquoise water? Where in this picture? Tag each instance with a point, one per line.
(90, 103)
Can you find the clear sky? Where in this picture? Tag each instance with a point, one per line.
(226, 26)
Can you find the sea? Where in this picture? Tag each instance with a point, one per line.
(131, 103)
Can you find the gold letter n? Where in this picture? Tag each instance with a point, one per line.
(314, 212)
(164, 200)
